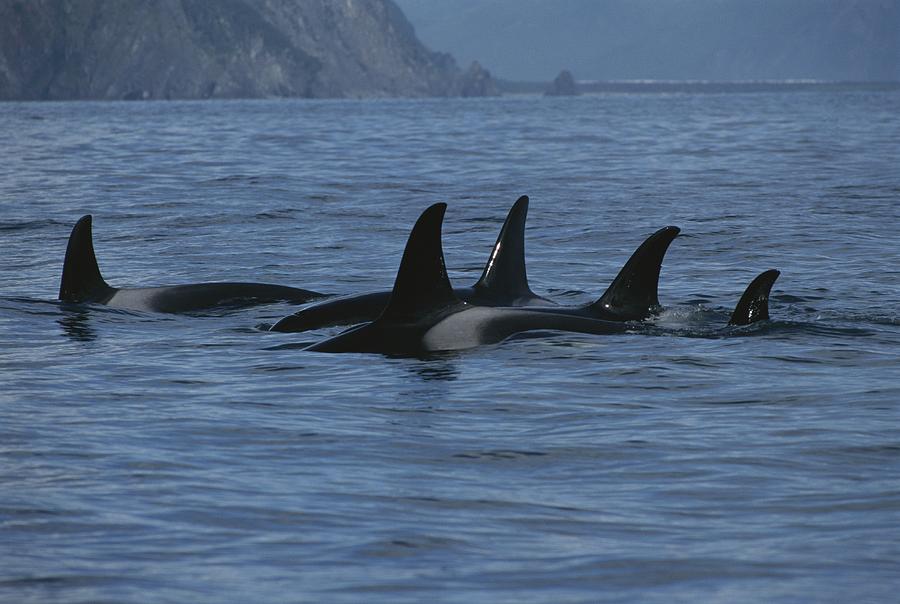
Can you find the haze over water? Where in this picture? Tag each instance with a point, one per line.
(201, 458)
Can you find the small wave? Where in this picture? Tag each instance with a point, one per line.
(793, 299)
(251, 179)
(26, 301)
(864, 317)
(291, 346)
(29, 225)
(277, 214)
(499, 454)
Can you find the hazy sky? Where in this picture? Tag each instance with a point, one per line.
(667, 39)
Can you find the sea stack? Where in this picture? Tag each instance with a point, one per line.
(563, 85)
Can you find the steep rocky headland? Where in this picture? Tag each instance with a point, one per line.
(187, 49)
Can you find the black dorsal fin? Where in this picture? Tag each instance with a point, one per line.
(422, 282)
(81, 279)
(504, 274)
(754, 304)
(632, 295)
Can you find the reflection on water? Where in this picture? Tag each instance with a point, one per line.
(76, 324)
(435, 368)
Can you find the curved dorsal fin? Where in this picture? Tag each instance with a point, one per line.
(633, 293)
(422, 282)
(754, 304)
(81, 279)
(504, 274)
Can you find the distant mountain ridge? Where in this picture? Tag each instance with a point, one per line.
(532, 40)
(185, 49)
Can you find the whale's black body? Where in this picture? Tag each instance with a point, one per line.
(82, 282)
(632, 296)
(424, 314)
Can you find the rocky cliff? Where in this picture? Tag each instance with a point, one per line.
(183, 49)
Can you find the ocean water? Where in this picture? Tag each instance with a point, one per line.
(199, 458)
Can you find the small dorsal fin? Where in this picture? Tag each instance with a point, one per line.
(422, 282)
(633, 293)
(754, 304)
(81, 279)
(504, 274)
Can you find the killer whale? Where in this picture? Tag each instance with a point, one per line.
(504, 282)
(754, 303)
(82, 282)
(424, 314)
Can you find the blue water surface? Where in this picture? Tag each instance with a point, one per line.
(200, 458)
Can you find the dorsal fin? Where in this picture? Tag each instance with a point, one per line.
(633, 293)
(754, 304)
(422, 282)
(81, 279)
(504, 274)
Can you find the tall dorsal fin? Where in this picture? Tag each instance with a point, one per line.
(422, 283)
(81, 279)
(504, 274)
(633, 293)
(754, 304)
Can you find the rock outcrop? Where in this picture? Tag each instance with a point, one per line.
(563, 85)
(186, 49)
